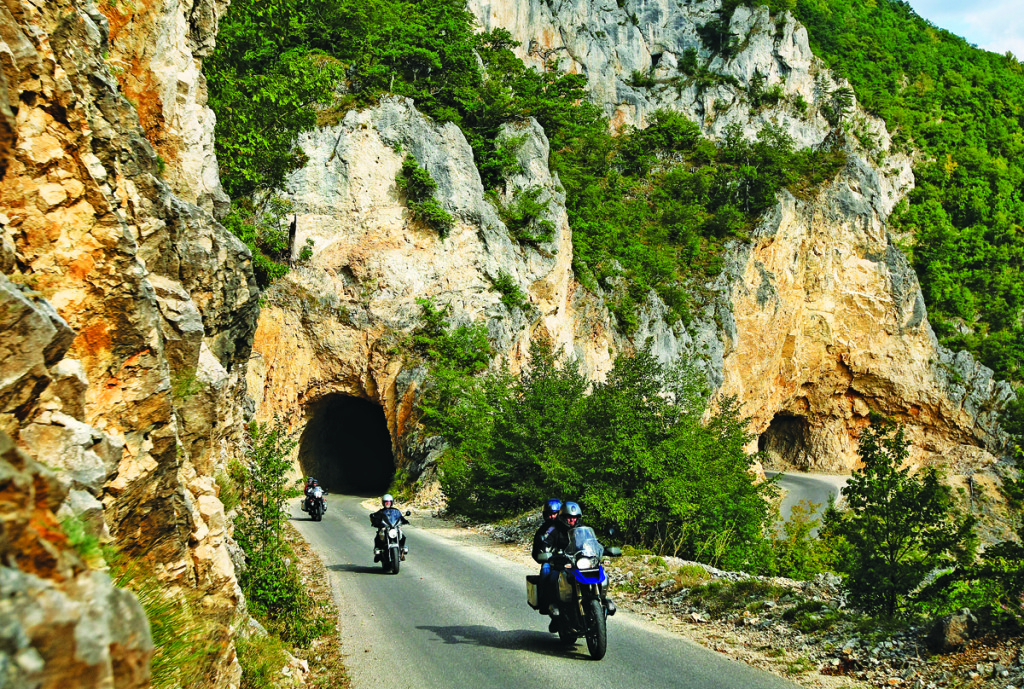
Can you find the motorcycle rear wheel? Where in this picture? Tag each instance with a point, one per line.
(396, 560)
(597, 631)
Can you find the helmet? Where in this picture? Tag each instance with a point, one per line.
(571, 514)
(551, 508)
(387, 500)
(313, 482)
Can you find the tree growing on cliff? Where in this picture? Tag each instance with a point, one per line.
(899, 525)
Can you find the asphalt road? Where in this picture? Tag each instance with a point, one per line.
(815, 488)
(456, 616)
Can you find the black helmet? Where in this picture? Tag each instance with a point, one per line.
(551, 508)
(386, 499)
(571, 514)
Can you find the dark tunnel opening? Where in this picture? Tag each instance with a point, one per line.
(347, 447)
(785, 442)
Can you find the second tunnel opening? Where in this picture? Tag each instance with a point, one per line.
(346, 446)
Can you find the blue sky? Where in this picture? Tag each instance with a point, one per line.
(996, 25)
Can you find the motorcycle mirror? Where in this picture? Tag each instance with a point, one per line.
(543, 557)
(408, 512)
(613, 551)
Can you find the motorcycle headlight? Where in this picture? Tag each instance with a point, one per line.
(393, 533)
(585, 563)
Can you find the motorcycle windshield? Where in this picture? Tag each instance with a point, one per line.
(392, 516)
(318, 492)
(583, 540)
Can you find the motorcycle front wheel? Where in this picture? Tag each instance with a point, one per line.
(597, 631)
(396, 560)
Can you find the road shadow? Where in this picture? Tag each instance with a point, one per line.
(358, 569)
(544, 643)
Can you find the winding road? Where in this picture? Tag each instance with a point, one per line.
(815, 488)
(456, 616)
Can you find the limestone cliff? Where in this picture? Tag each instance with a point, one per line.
(331, 326)
(823, 316)
(816, 320)
(131, 314)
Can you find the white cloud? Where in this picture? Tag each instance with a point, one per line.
(996, 25)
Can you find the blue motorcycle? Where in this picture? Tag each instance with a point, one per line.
(583, 603)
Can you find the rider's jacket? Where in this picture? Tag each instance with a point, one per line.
(551, 537)
(393, 514)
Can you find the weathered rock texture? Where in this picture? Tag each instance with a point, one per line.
(123, 353)
(331, 326)
(63, 625)
(156, 52)
(817, 320)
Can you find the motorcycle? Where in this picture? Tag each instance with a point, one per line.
(316, 505)
(583, 603)
(389, 538)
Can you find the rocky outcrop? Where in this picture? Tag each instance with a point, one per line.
(609, 42)
(128, 314)
(155, 52)
(829, 323)
(64, 624)
(333, 326)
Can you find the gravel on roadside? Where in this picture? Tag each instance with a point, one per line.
(840, 654)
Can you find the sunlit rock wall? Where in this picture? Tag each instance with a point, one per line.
(126, 376)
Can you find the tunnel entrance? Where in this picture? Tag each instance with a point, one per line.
(346, 446)
(785, 443)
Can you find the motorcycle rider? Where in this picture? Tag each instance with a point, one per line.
(311, 485)
(542, 540)
(395, 517)
(556, 540)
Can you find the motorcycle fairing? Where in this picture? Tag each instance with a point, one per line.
(584, 579)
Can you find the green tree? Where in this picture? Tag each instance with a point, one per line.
(271, 584)
(898, 525)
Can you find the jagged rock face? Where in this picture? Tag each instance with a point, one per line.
(64, 625)
(609, 41)
(332, 327)
(830, 323)
(156, 51)
(123, 358)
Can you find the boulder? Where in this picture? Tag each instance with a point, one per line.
(951, 632)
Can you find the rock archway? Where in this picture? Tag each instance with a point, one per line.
(346, 445)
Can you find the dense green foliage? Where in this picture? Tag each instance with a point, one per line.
(264, 233)
(898, 526)
(964, 109)
(633, 456)
(271, 583)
